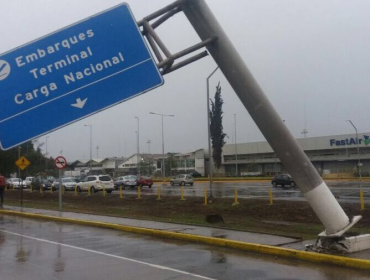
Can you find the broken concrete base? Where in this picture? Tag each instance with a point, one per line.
(356, 243)
(346, 244)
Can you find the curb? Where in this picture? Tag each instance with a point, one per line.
(245, 246)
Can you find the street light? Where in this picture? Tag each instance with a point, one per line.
(209, 137)
(358, 150)
(137, 146)
(162, 115)
(236, 152)
(90, 126)
(46, 153)
(149, 142)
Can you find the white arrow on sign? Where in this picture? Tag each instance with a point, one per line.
(79, 103)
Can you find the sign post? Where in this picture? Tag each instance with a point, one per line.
(22, 163)
(60, 163)
(77, 71)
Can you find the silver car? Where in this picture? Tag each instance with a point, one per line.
(68, 184)
(182, 180)
(129, 181)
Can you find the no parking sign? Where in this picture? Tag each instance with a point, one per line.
(60, 162)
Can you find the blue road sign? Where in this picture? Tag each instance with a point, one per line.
(73, 73)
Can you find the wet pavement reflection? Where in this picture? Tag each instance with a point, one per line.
(32, 249)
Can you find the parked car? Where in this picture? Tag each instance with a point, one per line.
(182, 180)
(27, 182)
(96, 183)
(119, 182)
(195, 174)
(50, 178)
(130, 181)
(283, 180)
(68, 184)
(144, 181)
(16, 182)
(43, 183)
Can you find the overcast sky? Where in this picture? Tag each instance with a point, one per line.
(311, 58)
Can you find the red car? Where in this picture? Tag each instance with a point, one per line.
(144, 181)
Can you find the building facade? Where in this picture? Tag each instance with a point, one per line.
(338, 154)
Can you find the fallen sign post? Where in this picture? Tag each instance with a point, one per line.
(292, 156)
(79, 70)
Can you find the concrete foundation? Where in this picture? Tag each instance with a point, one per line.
(346, 244)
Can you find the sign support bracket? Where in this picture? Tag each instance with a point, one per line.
(158, 47)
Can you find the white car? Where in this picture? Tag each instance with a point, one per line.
(14, 182)
(96, 183)
(27, 182)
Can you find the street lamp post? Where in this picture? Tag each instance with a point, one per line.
(138, 146)
(358, 151)
(46, 153)
(90, 127)
(236, 151)
(149, 142)
(162, 115)
(209, 137)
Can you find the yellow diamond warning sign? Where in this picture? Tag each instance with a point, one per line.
(22, 162)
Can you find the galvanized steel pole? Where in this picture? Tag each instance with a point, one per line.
(267, 119)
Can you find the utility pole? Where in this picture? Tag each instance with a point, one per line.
(138, 147)
(236, 151)
(163, 167)
(358, 151)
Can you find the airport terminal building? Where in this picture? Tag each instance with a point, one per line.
(337, 154)
(333, 156)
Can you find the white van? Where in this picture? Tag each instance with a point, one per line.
(27, 182)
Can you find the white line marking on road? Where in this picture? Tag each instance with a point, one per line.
(110, 255)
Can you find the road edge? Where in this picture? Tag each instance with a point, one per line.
(233, 244)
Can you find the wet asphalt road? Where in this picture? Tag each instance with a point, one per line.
(31, 250)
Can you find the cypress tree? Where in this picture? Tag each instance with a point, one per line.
(216, 128)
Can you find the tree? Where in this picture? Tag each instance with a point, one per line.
(217, 134)
(35, 157)
(170, 163)
(146, 165)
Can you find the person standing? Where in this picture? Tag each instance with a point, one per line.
(2, 189)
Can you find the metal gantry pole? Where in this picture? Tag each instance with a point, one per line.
(267, 119)
(209, 138)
